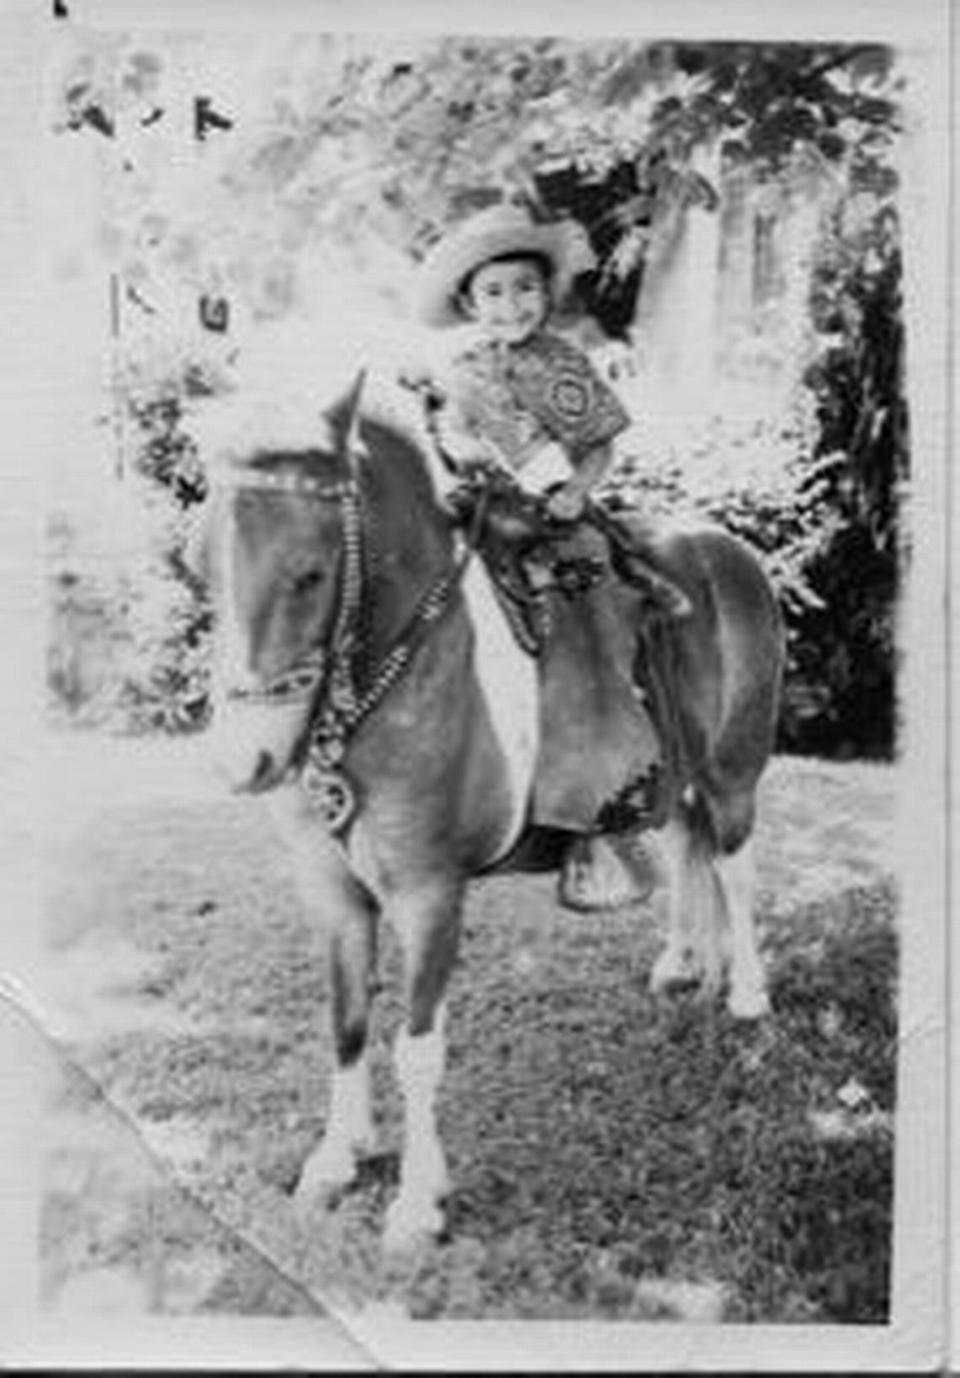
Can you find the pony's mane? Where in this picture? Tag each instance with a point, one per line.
(249, 426)
(283, 377)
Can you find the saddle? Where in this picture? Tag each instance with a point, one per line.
(609, 754)
(585, 600)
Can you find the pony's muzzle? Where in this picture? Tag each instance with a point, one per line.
(252, 746)
(265, 776)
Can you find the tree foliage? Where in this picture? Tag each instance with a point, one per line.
(861, 471)
(374, 143)
(353, 150)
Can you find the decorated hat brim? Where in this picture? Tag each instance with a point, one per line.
(477, 243)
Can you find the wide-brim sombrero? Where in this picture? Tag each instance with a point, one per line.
(492, 233)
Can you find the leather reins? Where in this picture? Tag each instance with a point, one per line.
(328, 673)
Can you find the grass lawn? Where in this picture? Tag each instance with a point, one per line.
(612, 1156)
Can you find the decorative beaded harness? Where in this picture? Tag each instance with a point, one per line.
(329, 671)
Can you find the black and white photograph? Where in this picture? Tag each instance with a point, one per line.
(490, 831)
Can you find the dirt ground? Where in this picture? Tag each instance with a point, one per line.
(613, 1156)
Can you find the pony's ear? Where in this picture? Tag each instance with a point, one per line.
(343, 418)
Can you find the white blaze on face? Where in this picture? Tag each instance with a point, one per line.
(508, 681)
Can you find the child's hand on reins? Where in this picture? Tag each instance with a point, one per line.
(566, 505)
(420, 379)
(466, 450)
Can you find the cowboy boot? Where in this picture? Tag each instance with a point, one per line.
(603, 873)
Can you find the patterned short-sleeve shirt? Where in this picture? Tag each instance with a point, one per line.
(523, 396)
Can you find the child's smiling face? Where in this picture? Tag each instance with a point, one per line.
(509, 298)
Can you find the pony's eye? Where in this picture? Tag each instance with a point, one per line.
(307, 580)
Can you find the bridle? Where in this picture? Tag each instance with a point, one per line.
(327, 674)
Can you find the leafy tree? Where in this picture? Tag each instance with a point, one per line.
(368, 143)
(166, 682)
(862, 468)
(362, 150)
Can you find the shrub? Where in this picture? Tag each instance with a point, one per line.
(88, 640)
(753, 475)
(849, 641)
(165, 685)
(824, 527)
(130, 621)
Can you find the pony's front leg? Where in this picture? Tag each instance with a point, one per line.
(348, 915)
(428, 924)
(349, 1132)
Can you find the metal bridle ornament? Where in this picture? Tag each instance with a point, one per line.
(329, 671)
(332, 796)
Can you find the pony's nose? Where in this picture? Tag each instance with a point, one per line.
(263, 776)
(251, 744)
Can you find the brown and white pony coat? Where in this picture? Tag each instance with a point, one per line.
(442, 763)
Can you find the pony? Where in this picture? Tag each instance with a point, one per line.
(367, 685)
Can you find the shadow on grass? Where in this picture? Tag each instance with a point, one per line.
(614, 1157)
(621, 1141)
(835, 997)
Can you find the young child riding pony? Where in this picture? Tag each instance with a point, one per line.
(516, 396)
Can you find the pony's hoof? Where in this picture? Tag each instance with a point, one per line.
(748, 1004)
(328, 1172)
(674, 971)
(411, 1224)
